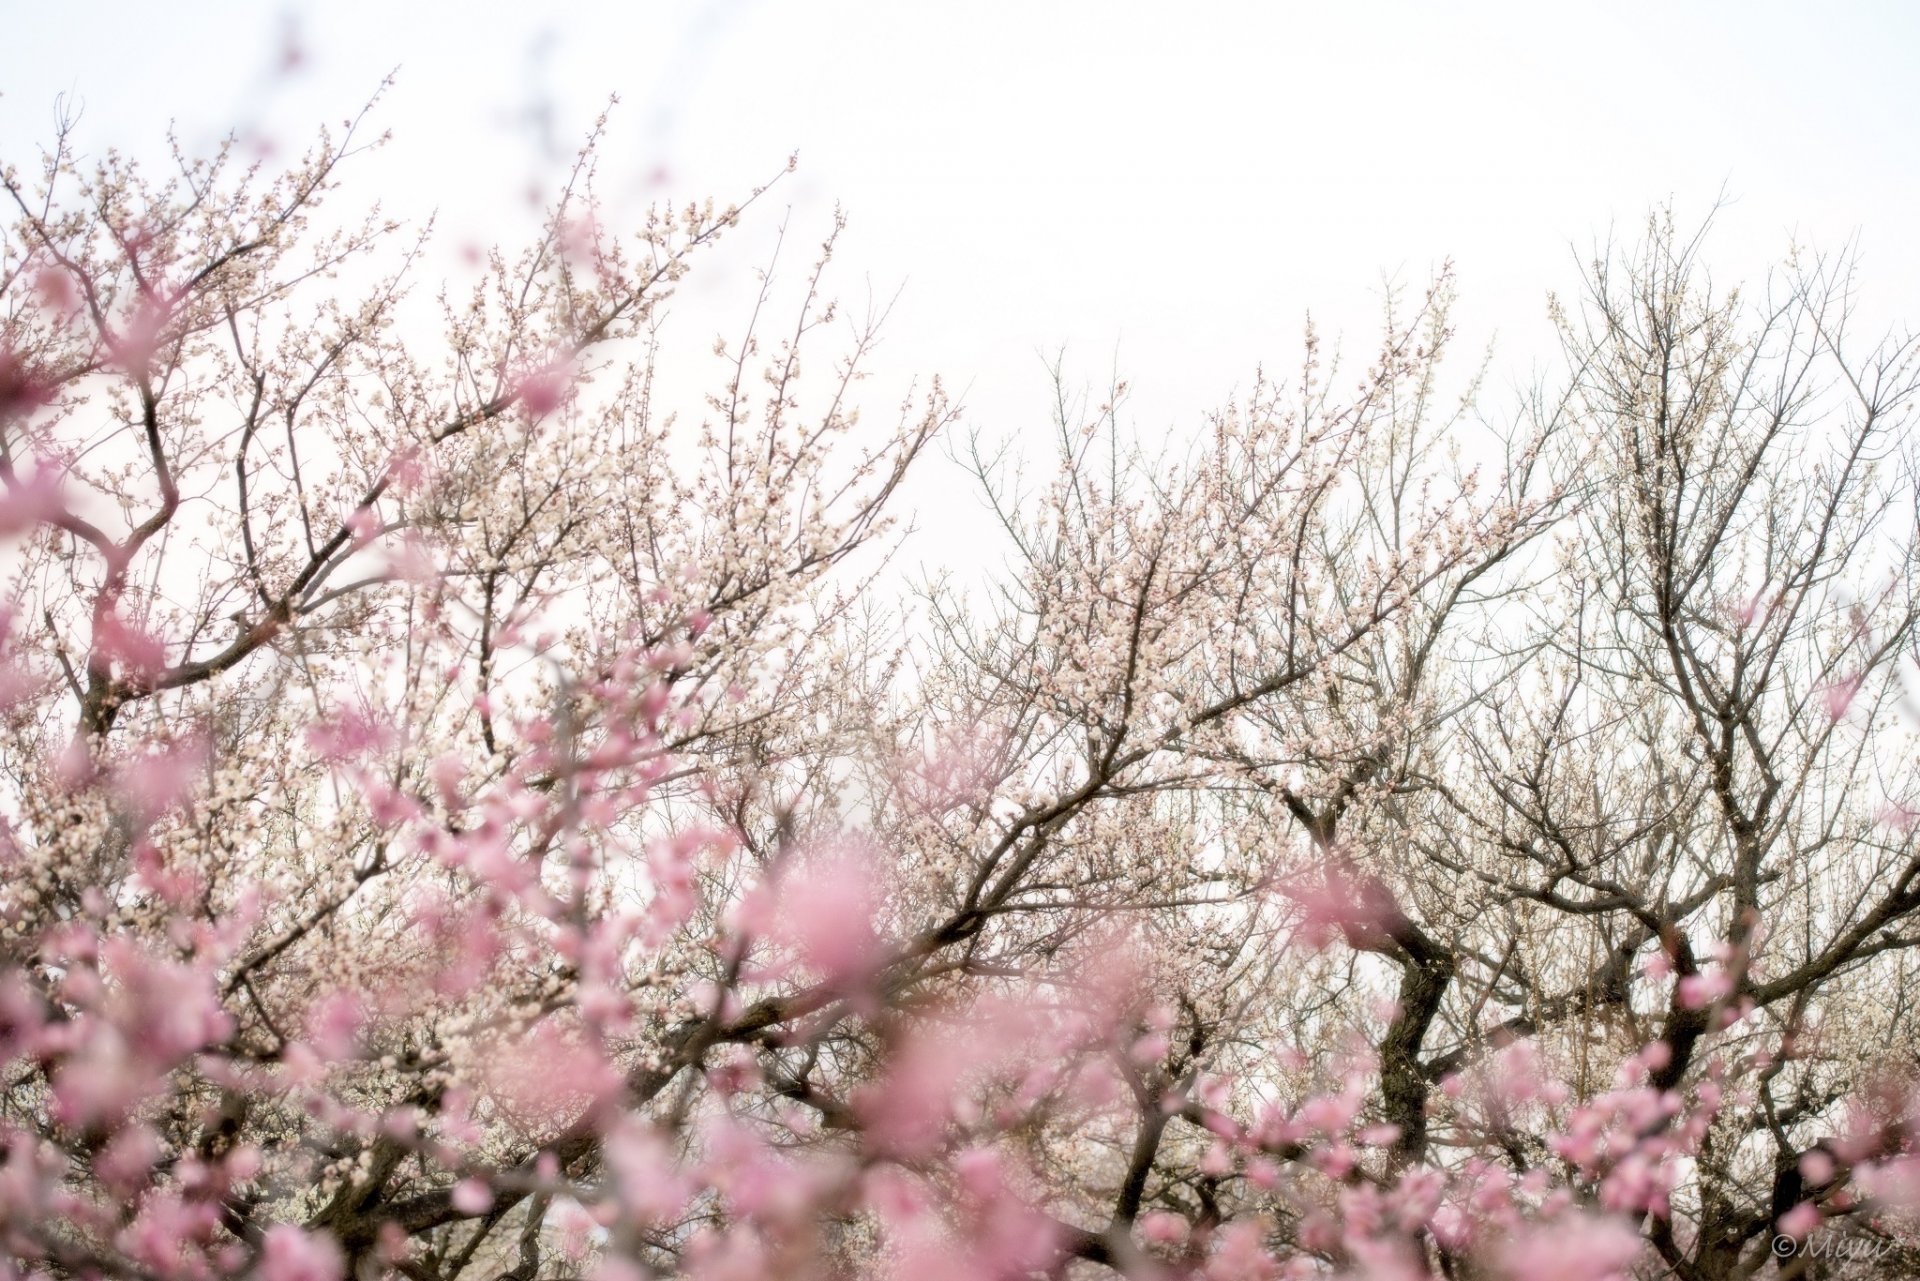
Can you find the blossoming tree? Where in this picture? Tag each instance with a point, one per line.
(462, 819)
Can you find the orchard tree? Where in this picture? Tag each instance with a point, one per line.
(464, 818)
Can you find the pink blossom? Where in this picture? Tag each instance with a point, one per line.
(1574, 1247)
(411, 559)
(908, 1110)
(22, 389)
(1801, 1220)
(1150, 1048)
(162, 1225)
(651, 1184)
(1698, 991)
(1162, 1228)
(471, 1196)
(158, 780)
(549, 1075)
(351, 732)
(291, 1254)
(390, 806)
(1750, 610)
(1837, 695)
(363, 525)
(1816, 1167)
(119, 643)
(1894, 1183)
(127, 1161)
(1239, 1255)
(1898, 817)
(335, 1021)
(407, 467)
(142, 330)
(1340, 905)
(544, 389)
(25, 504)
(826, 910)
(54, 290)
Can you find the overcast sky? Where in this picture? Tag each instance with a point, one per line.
(1166, 187)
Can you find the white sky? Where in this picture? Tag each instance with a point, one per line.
(1169, 187)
